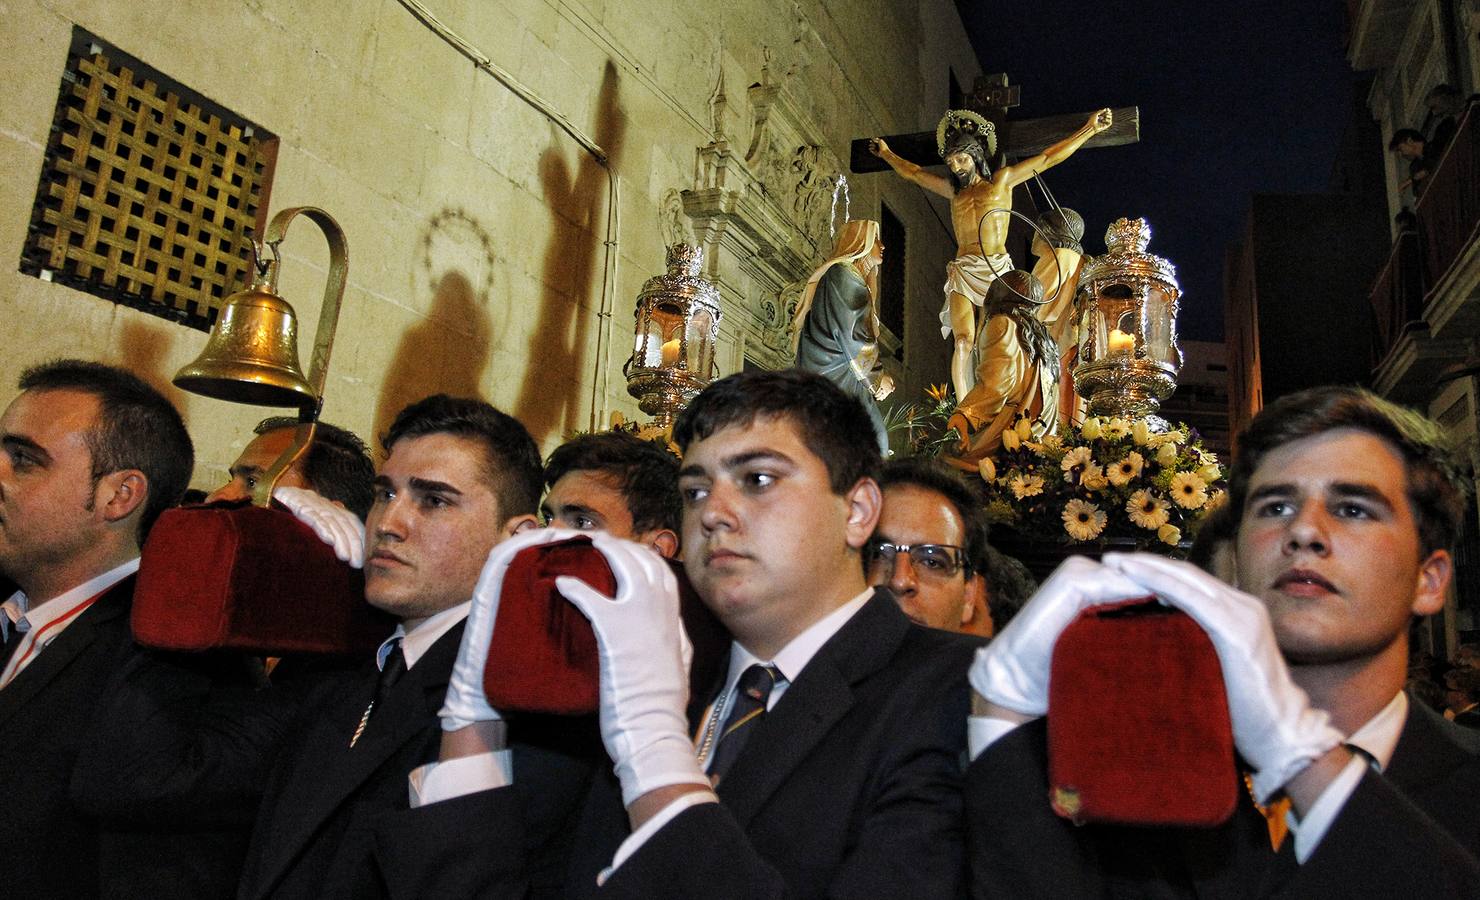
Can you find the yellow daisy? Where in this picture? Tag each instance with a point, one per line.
(1083, 520)
(1147, 510)
(1188, 490)
(1121, 473)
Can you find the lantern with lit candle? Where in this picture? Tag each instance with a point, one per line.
(1128, 353)
(678, 318)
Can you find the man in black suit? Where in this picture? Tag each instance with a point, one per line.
(91, 456)
(828, 763)
(360, 805)
(1347, 506)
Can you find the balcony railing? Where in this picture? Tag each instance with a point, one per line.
(1448, 219)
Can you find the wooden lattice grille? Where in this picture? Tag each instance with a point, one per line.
(149, 194)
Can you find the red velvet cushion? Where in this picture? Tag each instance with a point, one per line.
(543, 655)
(236, 576)
(1138, 729)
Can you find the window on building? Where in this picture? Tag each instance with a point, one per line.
(149, 192)
(891, 277)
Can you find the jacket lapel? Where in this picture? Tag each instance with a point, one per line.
(1427, 750)
(820, 696)
(328, 771)
(74, 640)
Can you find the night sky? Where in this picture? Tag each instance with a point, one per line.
(1234, 99)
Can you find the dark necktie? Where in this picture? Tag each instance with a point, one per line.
(390, 672)
(752, 692)
(12, 640)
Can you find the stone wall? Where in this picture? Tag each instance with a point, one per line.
(478, 229)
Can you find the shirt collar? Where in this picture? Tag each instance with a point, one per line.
(37, 615)
(793, 658)
(420, 639)
(1379, 736)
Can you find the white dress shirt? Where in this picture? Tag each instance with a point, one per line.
(41, 623)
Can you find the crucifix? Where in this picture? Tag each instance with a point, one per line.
(987, 157)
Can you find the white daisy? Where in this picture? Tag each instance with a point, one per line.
(1121, 473)
(1147, 510)
(1083, 520)
(1188, 490)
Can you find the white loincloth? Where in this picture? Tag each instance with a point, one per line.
(970, 276)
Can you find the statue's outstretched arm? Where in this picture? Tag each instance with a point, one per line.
(1019, 172)
(931, 182)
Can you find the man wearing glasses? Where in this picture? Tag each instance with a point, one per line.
(930, 547)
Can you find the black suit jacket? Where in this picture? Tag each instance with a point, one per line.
(1407, 832)
(848, 787)
(335, 820)
(49, 847)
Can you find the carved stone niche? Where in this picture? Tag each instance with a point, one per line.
(762, 217)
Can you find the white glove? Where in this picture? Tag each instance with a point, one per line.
(644, 670)
(1012, 670)
(1275, 728)
(335, 525)
(465, 702)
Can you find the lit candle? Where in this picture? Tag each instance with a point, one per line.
(670, 353)
(1121, 343)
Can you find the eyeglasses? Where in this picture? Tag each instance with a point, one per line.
(939, 560)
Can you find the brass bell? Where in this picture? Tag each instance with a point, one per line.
(252, 354)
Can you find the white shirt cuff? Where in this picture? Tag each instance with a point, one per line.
(984, 731)
(452, 778)
(667, 814)
(1309, 831)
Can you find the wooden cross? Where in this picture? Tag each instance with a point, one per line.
(992, 97)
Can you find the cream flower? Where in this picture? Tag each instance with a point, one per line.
(1216, 499)
(1083, 520)
(1188, 490)
(1147, 510)
(1210, 473)
(1093, 478)
(1079, 458)
(1024, 486)
(1010, 439)
(1091, 428)
(1121, 473)
(1025, 429)
(1117, 428)
(1141, 432)
(1166, 454)
(988, 469)
(1169, 534)
(1052, 443)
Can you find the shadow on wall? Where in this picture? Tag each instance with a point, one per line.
(557, 373)
(143, 350)
(445, 353)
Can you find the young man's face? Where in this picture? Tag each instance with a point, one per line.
(255, 459)
(434, 519)
(767, 544)
(938, 592)
(48, 499)
(589, 500)
(1329, 542)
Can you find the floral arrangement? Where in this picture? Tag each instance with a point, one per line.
(1107, 478)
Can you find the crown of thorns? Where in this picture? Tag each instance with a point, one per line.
(964, 121)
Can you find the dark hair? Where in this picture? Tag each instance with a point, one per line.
(645, 472)
(833, 425)
(338, 463)
(934, 475)
(1063, 228)
(1435, 483)
(1009, 585)
(512, 460)
(1218, 526)
(137, 428)
(1406, 134)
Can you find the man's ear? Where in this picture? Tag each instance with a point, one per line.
(520, 524)
(120, 494)
(1433, 583)
(662, 540)
(976, 595)
(865, 501)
